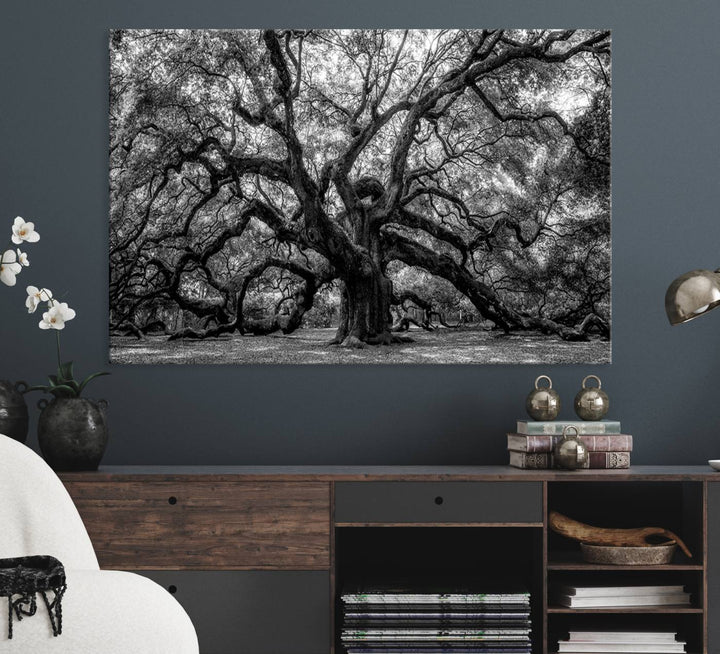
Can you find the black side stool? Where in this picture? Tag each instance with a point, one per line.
(23, 578)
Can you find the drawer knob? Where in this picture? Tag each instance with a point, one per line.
(439, 500)
(172, 500)
(172, 589)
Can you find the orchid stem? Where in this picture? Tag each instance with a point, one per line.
(57, 333)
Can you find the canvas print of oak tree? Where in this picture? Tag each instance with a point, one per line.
(378, 196)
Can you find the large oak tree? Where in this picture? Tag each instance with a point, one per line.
(298, 160)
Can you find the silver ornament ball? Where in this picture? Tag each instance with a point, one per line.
(591, 403)
(543, 403)
(570, 453)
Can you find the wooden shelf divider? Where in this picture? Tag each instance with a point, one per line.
(579, 566)
(627, 609)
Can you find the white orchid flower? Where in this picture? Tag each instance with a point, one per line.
(22, 258)
(56, 317)
(9, 268)
(36, 296)
(22, 231)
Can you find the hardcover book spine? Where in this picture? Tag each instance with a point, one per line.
(608, 460)
(593, 442)
(531, 443)
(545, 460)
(530, 461)
(605, 461)
(556, 427)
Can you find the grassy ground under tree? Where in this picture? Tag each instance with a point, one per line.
(447, 346)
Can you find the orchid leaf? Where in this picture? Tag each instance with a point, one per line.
(63, 391)
(65, 372)
(53, 380)
(88, 379)
(45, 389)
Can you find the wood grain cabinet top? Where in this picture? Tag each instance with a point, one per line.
(146, 524)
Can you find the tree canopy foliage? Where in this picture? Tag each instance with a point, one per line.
(258, 176)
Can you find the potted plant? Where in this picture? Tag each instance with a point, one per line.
(72, 430)
(13, 409)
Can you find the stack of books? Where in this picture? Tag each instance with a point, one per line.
(585, 597)
(599, 642)
(531, 446)
(402, 622)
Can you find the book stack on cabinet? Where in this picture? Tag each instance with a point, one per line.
(624, 642)
(402, 622)
(531, 445)
(631, 597)
(584, 597)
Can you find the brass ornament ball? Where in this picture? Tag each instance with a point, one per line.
(543, 403)
(591, 403)
(570, 452)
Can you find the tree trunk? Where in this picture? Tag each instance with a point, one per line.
(365, 313)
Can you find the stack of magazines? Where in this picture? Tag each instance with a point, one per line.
(624, 642)
(584, 597)
(402, 622)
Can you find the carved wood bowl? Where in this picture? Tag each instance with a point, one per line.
(622, 555)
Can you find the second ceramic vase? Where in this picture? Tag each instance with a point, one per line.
(72, 433)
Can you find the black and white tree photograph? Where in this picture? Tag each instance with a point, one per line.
(360, 196)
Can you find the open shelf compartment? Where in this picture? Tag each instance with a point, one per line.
(489, 559)
(688, 626)
(675, 506)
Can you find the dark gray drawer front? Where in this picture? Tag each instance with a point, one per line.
(442, 501)
(255, 612)
(713, 571)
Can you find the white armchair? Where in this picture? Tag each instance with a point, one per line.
(104, 612)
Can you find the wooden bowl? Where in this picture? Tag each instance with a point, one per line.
(614, 555)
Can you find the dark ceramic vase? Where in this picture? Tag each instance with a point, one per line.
(72, 433)
(13, 410)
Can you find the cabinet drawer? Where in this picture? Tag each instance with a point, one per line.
(254, 611)
(236, 525)
(442, 501)
(713, 566)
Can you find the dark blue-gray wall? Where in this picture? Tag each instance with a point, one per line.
(664, 383)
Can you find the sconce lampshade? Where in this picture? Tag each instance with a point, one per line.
(691, 295)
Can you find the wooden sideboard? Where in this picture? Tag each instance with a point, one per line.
(258, 555)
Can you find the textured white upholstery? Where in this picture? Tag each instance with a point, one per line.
(104, 612)
(37, 515)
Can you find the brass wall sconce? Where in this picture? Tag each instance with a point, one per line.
(691, 295)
